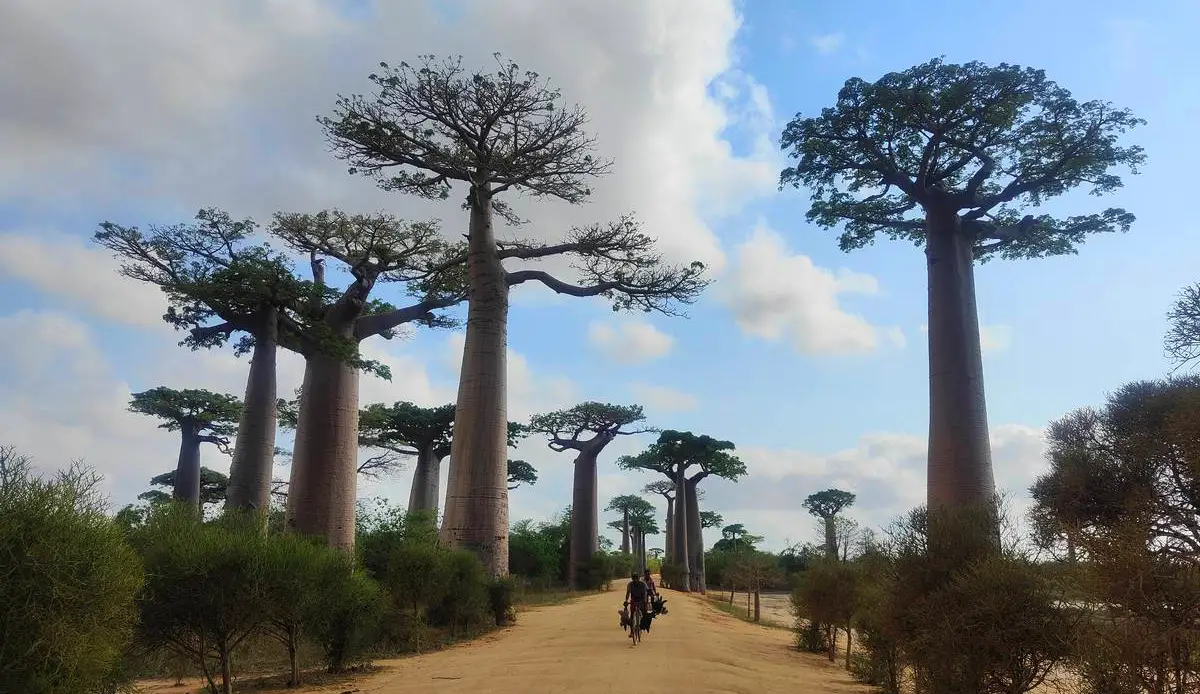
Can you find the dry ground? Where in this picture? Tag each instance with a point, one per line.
(579, 648)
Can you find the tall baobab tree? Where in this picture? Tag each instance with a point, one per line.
(673, 455)
(826, 505)
(586, 428)
(641, 524)
(200, 417)
(435, 125)
(953, 158)
(665, 489)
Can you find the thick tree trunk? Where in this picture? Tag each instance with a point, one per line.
(960, 459)
(250, 472)
(831, 548)
(323, 485)
(584, 519)
(476, 515)
(680, 536)
(695, 539)
(669, 533)
(426, 478)
(187, 469)
(625, 531)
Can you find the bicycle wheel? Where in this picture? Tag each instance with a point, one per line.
(635, 631)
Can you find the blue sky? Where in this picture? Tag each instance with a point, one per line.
(690, 103)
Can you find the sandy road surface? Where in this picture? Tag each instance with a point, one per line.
(578, 647)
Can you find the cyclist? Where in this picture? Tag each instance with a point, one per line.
(651, 589)
(637, 593)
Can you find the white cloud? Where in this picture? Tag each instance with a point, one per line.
(775, 294)
(663, 399)
(885, 470)
(86, 276)
(235, 127)
(826, 44)
(992, 338)
(631, 341)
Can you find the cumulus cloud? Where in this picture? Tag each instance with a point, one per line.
(84, 276)
(826, 44)
(630, 341)
(235, 126)
(885, 470)
(663, 399)
(776, 294)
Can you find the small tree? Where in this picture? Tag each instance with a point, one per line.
(435, 125)
(826, 505)
(626, 505)
(213, 487)
(200, 416)
(828, 594)
(947, 156)
(67, 581)
(587, 428)
(293, 567)
(206, 590)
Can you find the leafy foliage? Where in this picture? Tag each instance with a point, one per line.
(521, 472)
(683, 448)
(602, 421)
(828, 503)
(211, 415)
(985, 141)
(1182, 343)
(67, 582)
(212, 487)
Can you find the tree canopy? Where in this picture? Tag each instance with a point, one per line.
(675, 448)
(212, 487)
(629, 504)
(211, 416)
(982, 140)
(588, 424)
(521, 472)
(828, 503)
(1182, 343)
(434, 123)
(710, 519)
(664, 488)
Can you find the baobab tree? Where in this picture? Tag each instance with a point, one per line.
(954, 157)
(641, 524)
(627, 505)
(435, 125)
(665, 489)
(673, 455)
(423, 433)
(218, 283)
(826, 505)
(586, 428)
(373, 249)
(200, 416)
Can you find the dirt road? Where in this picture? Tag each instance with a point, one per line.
(579, 648)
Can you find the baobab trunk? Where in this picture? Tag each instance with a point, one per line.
(187, 468)
(625, 531)
(323, 484)
(476, 515)
(831, 548)
(250, 471)
(584, 521)
(680, 535)
(695, 538)
(426, 478)
(960, 457)
(669, 533)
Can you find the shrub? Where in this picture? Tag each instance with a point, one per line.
(465, 603)
(417, 578)
(502, 599)
(347, 613)
(621, 568)
(293, 567)
(827, 593)
(67, 582)
(206, 589)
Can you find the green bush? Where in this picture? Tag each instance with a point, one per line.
(346, 622)
(67, 582)
(672, 575)
(206, 590)
(417, 579)
(293, 567)
(598, 572)
(621, 569)
(465, 604)
(502, 599)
